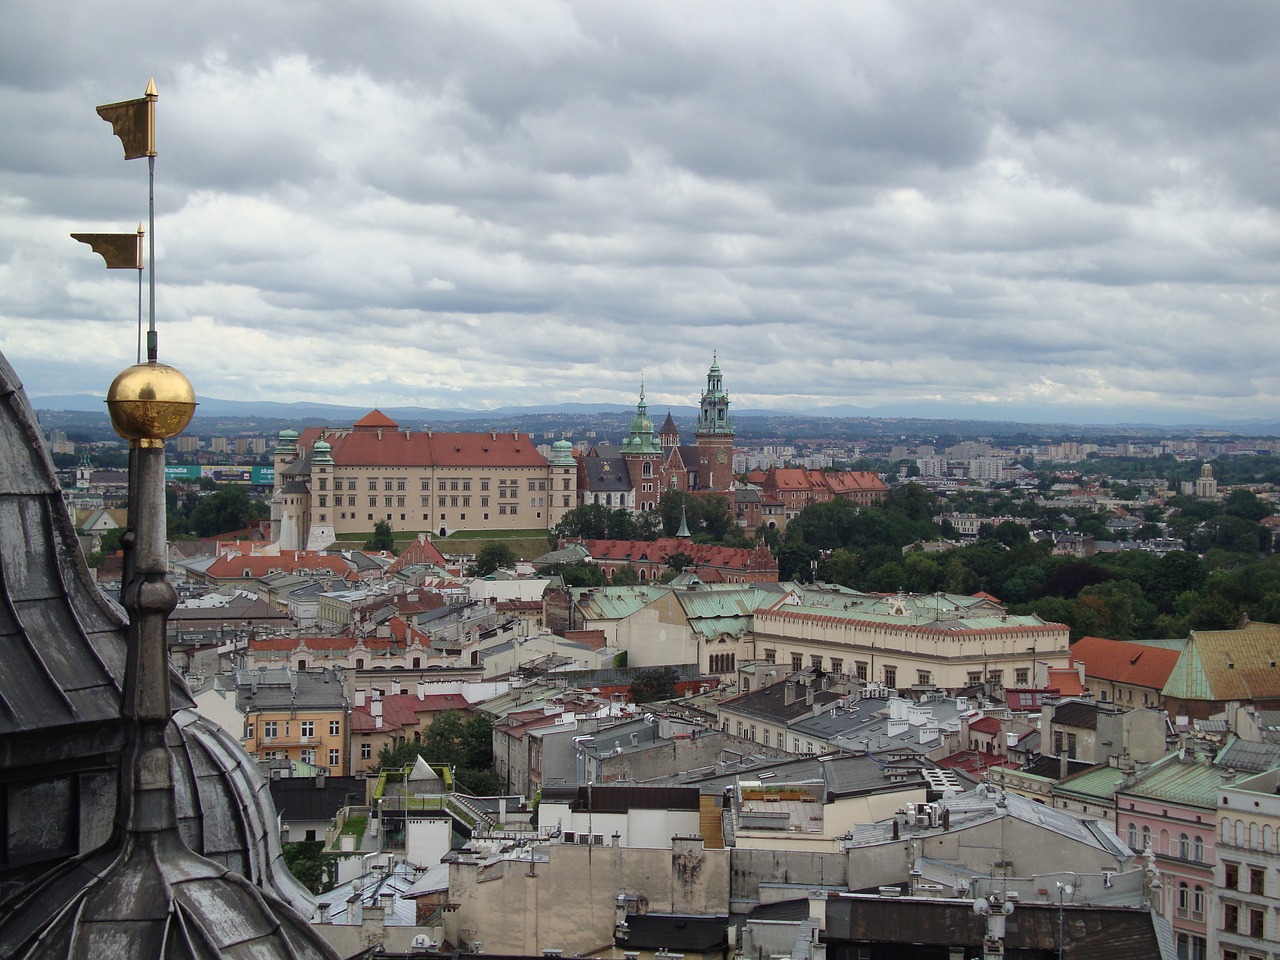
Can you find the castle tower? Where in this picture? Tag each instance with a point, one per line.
(320, 522)
(714, 435)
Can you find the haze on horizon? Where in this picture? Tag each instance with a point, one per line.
(1016, 210)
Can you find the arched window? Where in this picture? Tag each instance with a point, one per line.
(1266, 837)
(1197, 853)
(648, 468)
(1226, 830)
(1197, 904)
(1184, 898)
(1184, 847)
(1146, 838)
(1133, 836)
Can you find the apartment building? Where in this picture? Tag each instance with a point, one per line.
(297, 715)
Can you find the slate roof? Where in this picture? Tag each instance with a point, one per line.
(1124, 662)
(769, 702)
(48, 593)
(1079, 714)
(606, 474)
(1223, 665)
(285, 688)
(1249, 757)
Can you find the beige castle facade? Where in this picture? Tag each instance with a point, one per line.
(336, 483)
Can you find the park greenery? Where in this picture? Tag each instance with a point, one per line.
(208, 509)
(1226, 574)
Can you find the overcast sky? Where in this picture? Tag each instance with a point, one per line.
(1059, 207)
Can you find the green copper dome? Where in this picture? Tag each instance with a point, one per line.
(640, 438)
(562, 454)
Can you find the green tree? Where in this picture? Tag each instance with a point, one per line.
(306, 861)
(110, 541)
(465, 742)
(625, 576)
(580, 573)
(587, 522)
(226, 510)
(658, 683)
(1214, 612)
(492, 556)
(1247, 506)
(383, 538)
(679, 560)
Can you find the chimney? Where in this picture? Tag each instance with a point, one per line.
(789, 693)
(808, 694)
(1063, 766)
(373, 924)
(359, 697)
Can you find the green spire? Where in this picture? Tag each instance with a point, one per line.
(683, 533)
(640, 438)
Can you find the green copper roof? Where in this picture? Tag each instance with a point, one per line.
(1193, 781)
(1098, 784)
(640, 438)
(561, 454)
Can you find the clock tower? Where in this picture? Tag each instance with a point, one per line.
(714, 435)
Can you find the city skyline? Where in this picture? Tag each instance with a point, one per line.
(1016, 212)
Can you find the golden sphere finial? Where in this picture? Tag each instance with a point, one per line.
(150, 402)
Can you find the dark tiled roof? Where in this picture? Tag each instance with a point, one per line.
(654, 931)
(1117, 933)
(303, 798)
(1077, 713)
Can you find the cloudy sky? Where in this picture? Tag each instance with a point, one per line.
(1009, 208)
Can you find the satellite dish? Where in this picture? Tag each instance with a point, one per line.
(1008, 907)
(982, 906)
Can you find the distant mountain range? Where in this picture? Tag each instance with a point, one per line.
(1028, 416)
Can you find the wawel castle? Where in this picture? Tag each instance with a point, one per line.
(333, 483)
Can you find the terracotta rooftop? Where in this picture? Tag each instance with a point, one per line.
(384, 447)
(1119, 661)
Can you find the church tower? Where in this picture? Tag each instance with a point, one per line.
(643, 457)
(714, 435)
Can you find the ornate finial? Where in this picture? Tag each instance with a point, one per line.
(150, 402)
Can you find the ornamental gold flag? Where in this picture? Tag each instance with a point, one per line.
(122, 251)
(134, 122)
